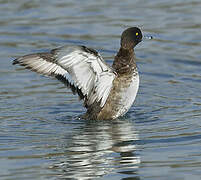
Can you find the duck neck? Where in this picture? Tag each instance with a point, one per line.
(124, 61)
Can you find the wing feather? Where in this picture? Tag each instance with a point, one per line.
(79, 67)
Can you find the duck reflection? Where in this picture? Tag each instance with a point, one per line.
(96, 149)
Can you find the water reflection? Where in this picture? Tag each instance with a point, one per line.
(99, 148)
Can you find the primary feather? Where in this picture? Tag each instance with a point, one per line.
(81, 68)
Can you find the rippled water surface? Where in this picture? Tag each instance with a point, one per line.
(41, 136)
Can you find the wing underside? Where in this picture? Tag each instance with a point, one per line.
(80, 68)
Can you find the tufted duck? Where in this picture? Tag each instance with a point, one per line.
(108, 92)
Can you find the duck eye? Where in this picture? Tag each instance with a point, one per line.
(136, 33)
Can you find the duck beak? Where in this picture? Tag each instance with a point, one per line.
(146, 37)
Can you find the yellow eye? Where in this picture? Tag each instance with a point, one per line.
(136, 33)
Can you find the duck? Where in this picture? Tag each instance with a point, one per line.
(107, 92)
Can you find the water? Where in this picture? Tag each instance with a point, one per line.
(159, 138)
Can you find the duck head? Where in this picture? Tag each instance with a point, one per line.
(131, 37)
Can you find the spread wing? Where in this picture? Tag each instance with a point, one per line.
(81, 68)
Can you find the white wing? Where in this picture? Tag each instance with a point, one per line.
(81, 67)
